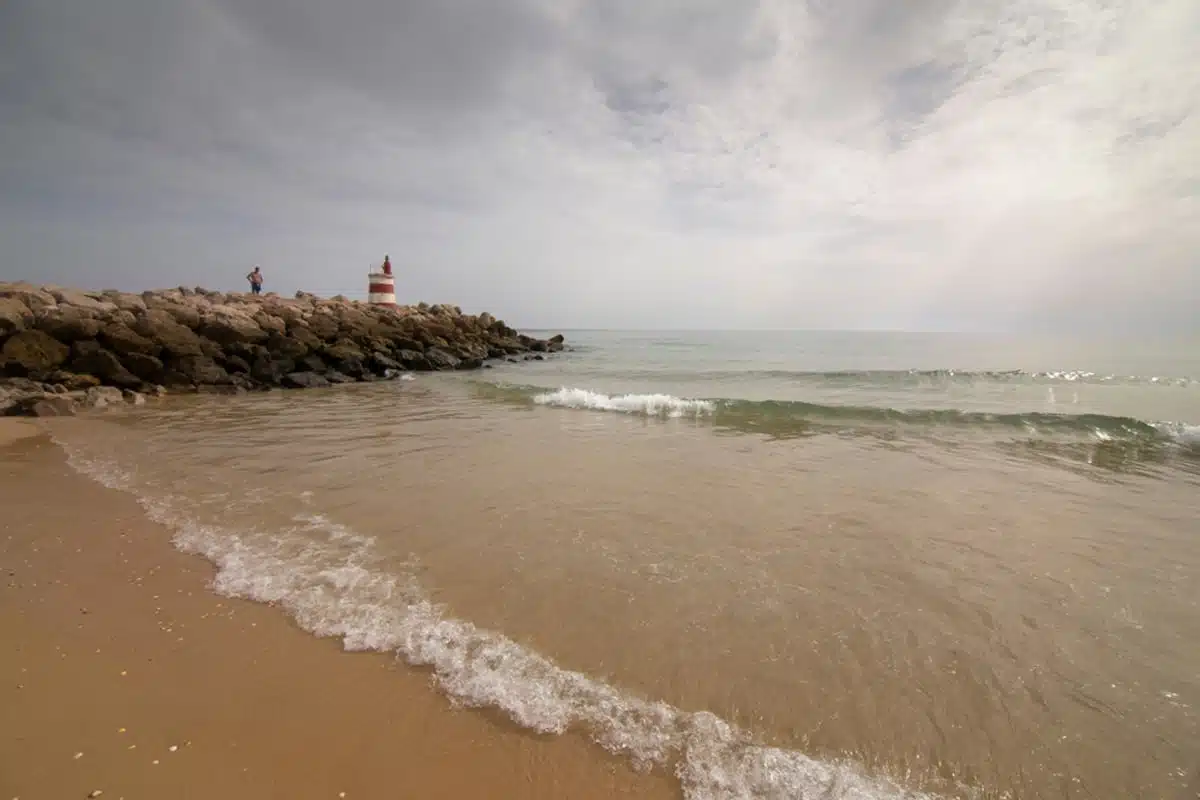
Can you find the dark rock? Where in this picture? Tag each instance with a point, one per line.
(148, 368)
(439, 359)
(557, 339)
(345, 357)
(304, 380)
(90, 358)
(402, 343)
(236, 364)
(123, 340)
(68, 324)
(198, 370)
(32, 353)
(380, 362)
(175, 339)
(414, 360)
(291, 346)
(210, 348)
(270, 371)
(310, 363)
(333, 376)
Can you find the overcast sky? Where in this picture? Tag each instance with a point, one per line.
(915, 164)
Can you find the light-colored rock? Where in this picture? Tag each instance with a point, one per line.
(51, 405)
(102, 397)
(125, 301)
(134, 398)
(31, 296)
(67, 323)
(14, 316)
(175, 339)
(74, 297)
(269, 323)
(229, 324)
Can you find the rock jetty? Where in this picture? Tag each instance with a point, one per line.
(61, 349)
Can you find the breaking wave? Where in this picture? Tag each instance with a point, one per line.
(333, 583)
(781, 415)
(648, 404)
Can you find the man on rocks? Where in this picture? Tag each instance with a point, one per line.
(256, 280)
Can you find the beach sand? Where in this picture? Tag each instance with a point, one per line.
(123, 673)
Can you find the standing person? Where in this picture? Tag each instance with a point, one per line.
(256, 280)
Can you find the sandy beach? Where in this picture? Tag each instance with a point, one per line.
(125, 677)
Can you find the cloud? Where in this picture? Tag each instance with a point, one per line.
(866, 163)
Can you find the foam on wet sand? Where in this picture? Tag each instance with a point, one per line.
(129, 677)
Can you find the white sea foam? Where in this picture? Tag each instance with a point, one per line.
(649, 404)
(1181, 432)
(331, 581)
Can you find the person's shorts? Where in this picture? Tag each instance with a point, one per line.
(255, 288)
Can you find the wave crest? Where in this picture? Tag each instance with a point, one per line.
(652, 405)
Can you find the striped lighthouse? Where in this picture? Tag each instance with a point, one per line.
(381, 286)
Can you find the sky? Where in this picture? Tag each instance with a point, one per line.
(999, 165)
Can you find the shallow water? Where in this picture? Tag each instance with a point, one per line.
(845, 566)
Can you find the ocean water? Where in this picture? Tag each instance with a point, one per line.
(782, 565)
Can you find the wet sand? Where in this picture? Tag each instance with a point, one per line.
(122, 673)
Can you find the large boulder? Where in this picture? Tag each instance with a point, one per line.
(345, 357)
(185, 311)
(68, 323)
(227, 325)
(86, 300)
(304, 380)
(270, 324)
(14, 316)
(414, 360)
(270, 371)
(46, 405)
(32, 353)
(124, 340)
(439, 359)
(175, 339)
(199, 370)
(323, 325)
(15, 392)
(90, 358)
(146, 367)
(103, 397)
(29, 295)
(125, 301)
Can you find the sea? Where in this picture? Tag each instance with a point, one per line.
(772, 564)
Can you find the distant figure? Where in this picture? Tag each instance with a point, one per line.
(256, 280)
(387, 265)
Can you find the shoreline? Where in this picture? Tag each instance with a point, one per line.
(123, 652)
